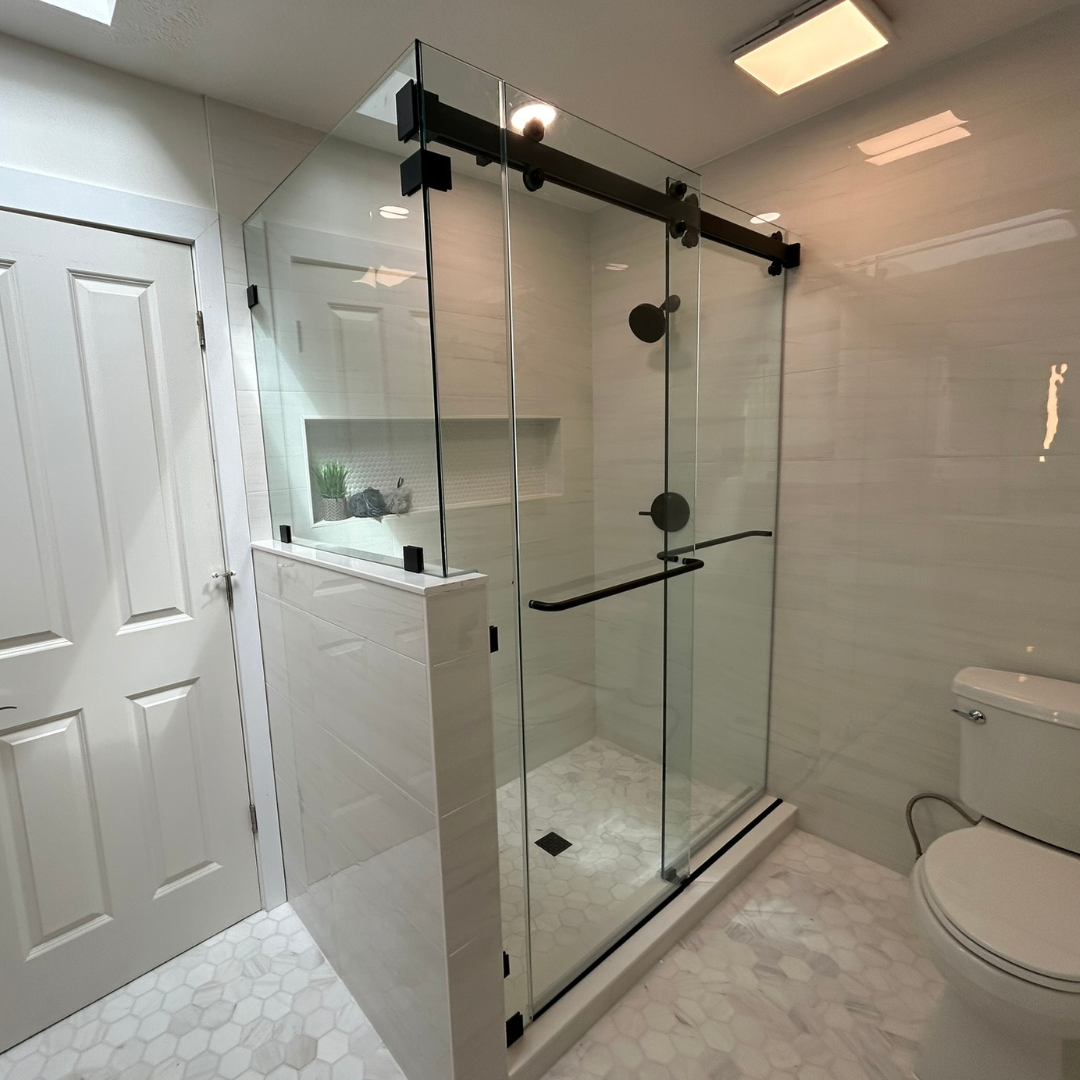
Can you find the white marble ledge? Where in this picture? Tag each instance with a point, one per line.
(393, 577)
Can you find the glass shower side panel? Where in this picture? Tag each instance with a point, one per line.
(738, 441)
(469, 304)
(343, 344)
(590, 400)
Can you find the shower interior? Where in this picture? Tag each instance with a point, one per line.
(569, 396)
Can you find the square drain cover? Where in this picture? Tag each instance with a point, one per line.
(553, 843)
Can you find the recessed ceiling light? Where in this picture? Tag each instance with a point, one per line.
(99, 10)
(911, 139)
(535, 110)
(812, 41)
(617, 266)
(764, 219)
(393, 213)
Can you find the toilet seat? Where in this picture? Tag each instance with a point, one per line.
(1010, 900)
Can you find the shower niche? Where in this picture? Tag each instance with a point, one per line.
(391, 457)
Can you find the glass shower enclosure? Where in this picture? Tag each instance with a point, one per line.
(494, 337)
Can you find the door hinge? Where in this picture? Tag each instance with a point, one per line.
(202, 329)
(254, 818)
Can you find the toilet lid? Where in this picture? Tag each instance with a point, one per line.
(1017, 898)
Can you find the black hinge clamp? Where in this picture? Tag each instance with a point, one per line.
(426, 169)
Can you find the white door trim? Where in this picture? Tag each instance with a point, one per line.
(87, 204)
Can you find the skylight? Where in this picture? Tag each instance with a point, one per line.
(99, 10)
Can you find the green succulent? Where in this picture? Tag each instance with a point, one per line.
(330, 479)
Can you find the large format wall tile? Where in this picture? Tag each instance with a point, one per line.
(924, 523)
(384, 761)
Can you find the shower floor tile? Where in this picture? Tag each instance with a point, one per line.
(607, 802)
(810, 970)
(256, 1000)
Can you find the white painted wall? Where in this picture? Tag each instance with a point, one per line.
(68, 118)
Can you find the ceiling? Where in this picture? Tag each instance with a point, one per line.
(656, 73)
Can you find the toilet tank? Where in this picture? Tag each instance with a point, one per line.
(1021, 766)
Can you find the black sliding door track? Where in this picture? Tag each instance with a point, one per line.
(482, 139)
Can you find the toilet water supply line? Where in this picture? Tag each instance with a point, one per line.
(941, 798)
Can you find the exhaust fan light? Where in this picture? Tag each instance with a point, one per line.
(813, 41)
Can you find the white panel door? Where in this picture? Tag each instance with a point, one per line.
(124, 829)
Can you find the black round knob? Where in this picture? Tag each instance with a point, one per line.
(534, 129)
(533, 178)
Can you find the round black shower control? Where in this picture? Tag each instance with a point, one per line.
(670, 512)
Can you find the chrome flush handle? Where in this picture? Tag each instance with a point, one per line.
(974, 715)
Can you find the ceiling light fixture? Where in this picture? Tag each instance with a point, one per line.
(911, 139)
(617, 266)
(393, 213)
(764, 219)
(535, 110)
(99, 10)
(812, 41)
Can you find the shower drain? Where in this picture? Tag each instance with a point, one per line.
(553, 843)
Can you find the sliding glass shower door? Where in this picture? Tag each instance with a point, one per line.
(604, 349)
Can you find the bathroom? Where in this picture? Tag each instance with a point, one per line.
(607, 617)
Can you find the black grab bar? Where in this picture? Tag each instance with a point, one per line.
(688, 567)
(674, 553)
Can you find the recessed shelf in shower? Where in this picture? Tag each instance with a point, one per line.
(378, 451)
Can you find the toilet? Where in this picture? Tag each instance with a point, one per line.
(998, 905)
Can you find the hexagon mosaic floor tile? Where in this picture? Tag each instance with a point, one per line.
(257, 1000)
(608, 802)
(810, 970)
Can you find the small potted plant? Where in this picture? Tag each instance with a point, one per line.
(330, 480)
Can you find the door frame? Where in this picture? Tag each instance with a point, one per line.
(198, 228)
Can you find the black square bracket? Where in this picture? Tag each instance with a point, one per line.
(493, 638)
(253, 296)
(413, 558)
(408, 111)
(506, 964)
(426, 169)
(515, 1028)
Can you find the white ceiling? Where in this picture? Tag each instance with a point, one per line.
(657, 73)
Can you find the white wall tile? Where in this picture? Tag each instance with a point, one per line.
(919, 531)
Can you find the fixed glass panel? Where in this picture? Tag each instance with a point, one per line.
(738, 432)
(469, 302)
(343, 344)
(593, 674)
